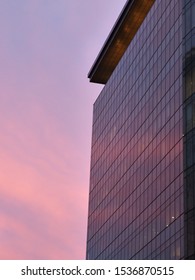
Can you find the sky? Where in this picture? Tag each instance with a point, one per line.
(46, 50)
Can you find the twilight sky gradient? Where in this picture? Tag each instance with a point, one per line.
(46, 50)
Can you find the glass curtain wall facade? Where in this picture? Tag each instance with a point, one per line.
(189, 125)
(136, 199)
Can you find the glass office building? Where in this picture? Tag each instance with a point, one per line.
(142, 177)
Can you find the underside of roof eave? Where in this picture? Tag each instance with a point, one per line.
(119, 39)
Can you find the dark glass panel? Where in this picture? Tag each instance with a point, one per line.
(135, 167)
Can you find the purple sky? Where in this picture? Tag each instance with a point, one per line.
(46, 50)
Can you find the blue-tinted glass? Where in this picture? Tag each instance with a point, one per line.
(136, 171)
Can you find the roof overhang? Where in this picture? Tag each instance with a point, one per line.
(125, 28)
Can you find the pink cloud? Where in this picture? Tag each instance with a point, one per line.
(38, 183)
(45, 125)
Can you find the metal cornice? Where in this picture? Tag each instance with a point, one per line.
(125, 28)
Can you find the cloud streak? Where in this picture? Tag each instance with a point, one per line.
(45, 126)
